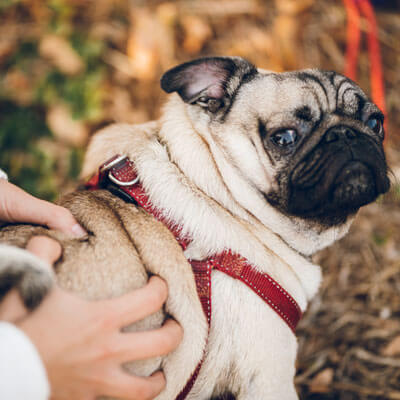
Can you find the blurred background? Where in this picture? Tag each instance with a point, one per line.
(69, 67)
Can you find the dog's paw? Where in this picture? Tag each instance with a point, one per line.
(21, 270)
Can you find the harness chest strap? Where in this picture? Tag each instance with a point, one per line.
(119, 176)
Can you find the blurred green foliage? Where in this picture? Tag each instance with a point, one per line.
(4, 4)
(23, 118)
(83, 92)
(26, 164)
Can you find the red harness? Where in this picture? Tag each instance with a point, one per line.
(119, 176)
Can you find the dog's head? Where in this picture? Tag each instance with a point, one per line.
(310, 142)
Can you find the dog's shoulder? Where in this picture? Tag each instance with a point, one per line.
(117, 139)
(107, 217)
(121, 232)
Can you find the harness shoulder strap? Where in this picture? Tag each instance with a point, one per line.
(118, 175)
(120, 172)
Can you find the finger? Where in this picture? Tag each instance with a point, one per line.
(58, 218)
(16, 205)
(61, 219)
(45, 248)
(136, 305)
(132, 387)
(132, 346)
(11, 308)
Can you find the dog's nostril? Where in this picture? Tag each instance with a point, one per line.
(350, 134)
(339, 133)
(331, 136)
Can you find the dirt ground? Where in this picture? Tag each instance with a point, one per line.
(84, 64)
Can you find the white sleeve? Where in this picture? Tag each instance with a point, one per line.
(3, 175)
(22, 373)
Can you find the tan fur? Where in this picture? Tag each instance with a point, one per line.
(164, 182)
(121, 248)
(117, 257)
(209, 178)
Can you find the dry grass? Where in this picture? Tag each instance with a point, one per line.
(349, 346)
(349, 337)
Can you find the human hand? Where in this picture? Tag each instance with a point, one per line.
(18, 206)
(83, 347)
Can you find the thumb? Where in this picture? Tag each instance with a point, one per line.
(45, 248)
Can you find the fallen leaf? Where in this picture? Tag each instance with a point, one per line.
(261, 40)
(392, 348)
(293, 6)
(19, 86)
(142, 46)
(321, 382)
(196, 33)
(7, 46)
(64, 127)
(61, 54)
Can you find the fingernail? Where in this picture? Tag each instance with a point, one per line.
(78, 231)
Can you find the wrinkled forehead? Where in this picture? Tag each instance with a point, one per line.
(309, 92)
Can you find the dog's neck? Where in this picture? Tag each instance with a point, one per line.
(175, 164)
(199, 159)
(194, 158)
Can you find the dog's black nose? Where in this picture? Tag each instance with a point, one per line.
(337, 132)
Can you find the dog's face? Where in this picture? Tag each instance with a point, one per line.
(309, 141)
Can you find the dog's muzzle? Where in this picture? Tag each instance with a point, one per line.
(346, 170)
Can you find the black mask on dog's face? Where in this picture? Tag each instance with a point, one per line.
(333, 165)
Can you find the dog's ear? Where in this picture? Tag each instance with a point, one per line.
(208, 82)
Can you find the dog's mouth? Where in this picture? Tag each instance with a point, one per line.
(354, 186)
(334, 182)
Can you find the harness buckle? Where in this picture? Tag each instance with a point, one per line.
(114, 163)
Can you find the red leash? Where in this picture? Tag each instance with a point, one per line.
(119, 176)
(354, 8)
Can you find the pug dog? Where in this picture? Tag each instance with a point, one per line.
(271, 166)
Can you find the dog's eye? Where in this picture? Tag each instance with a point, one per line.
(210, 103)
(285, 137)
(375, 124)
